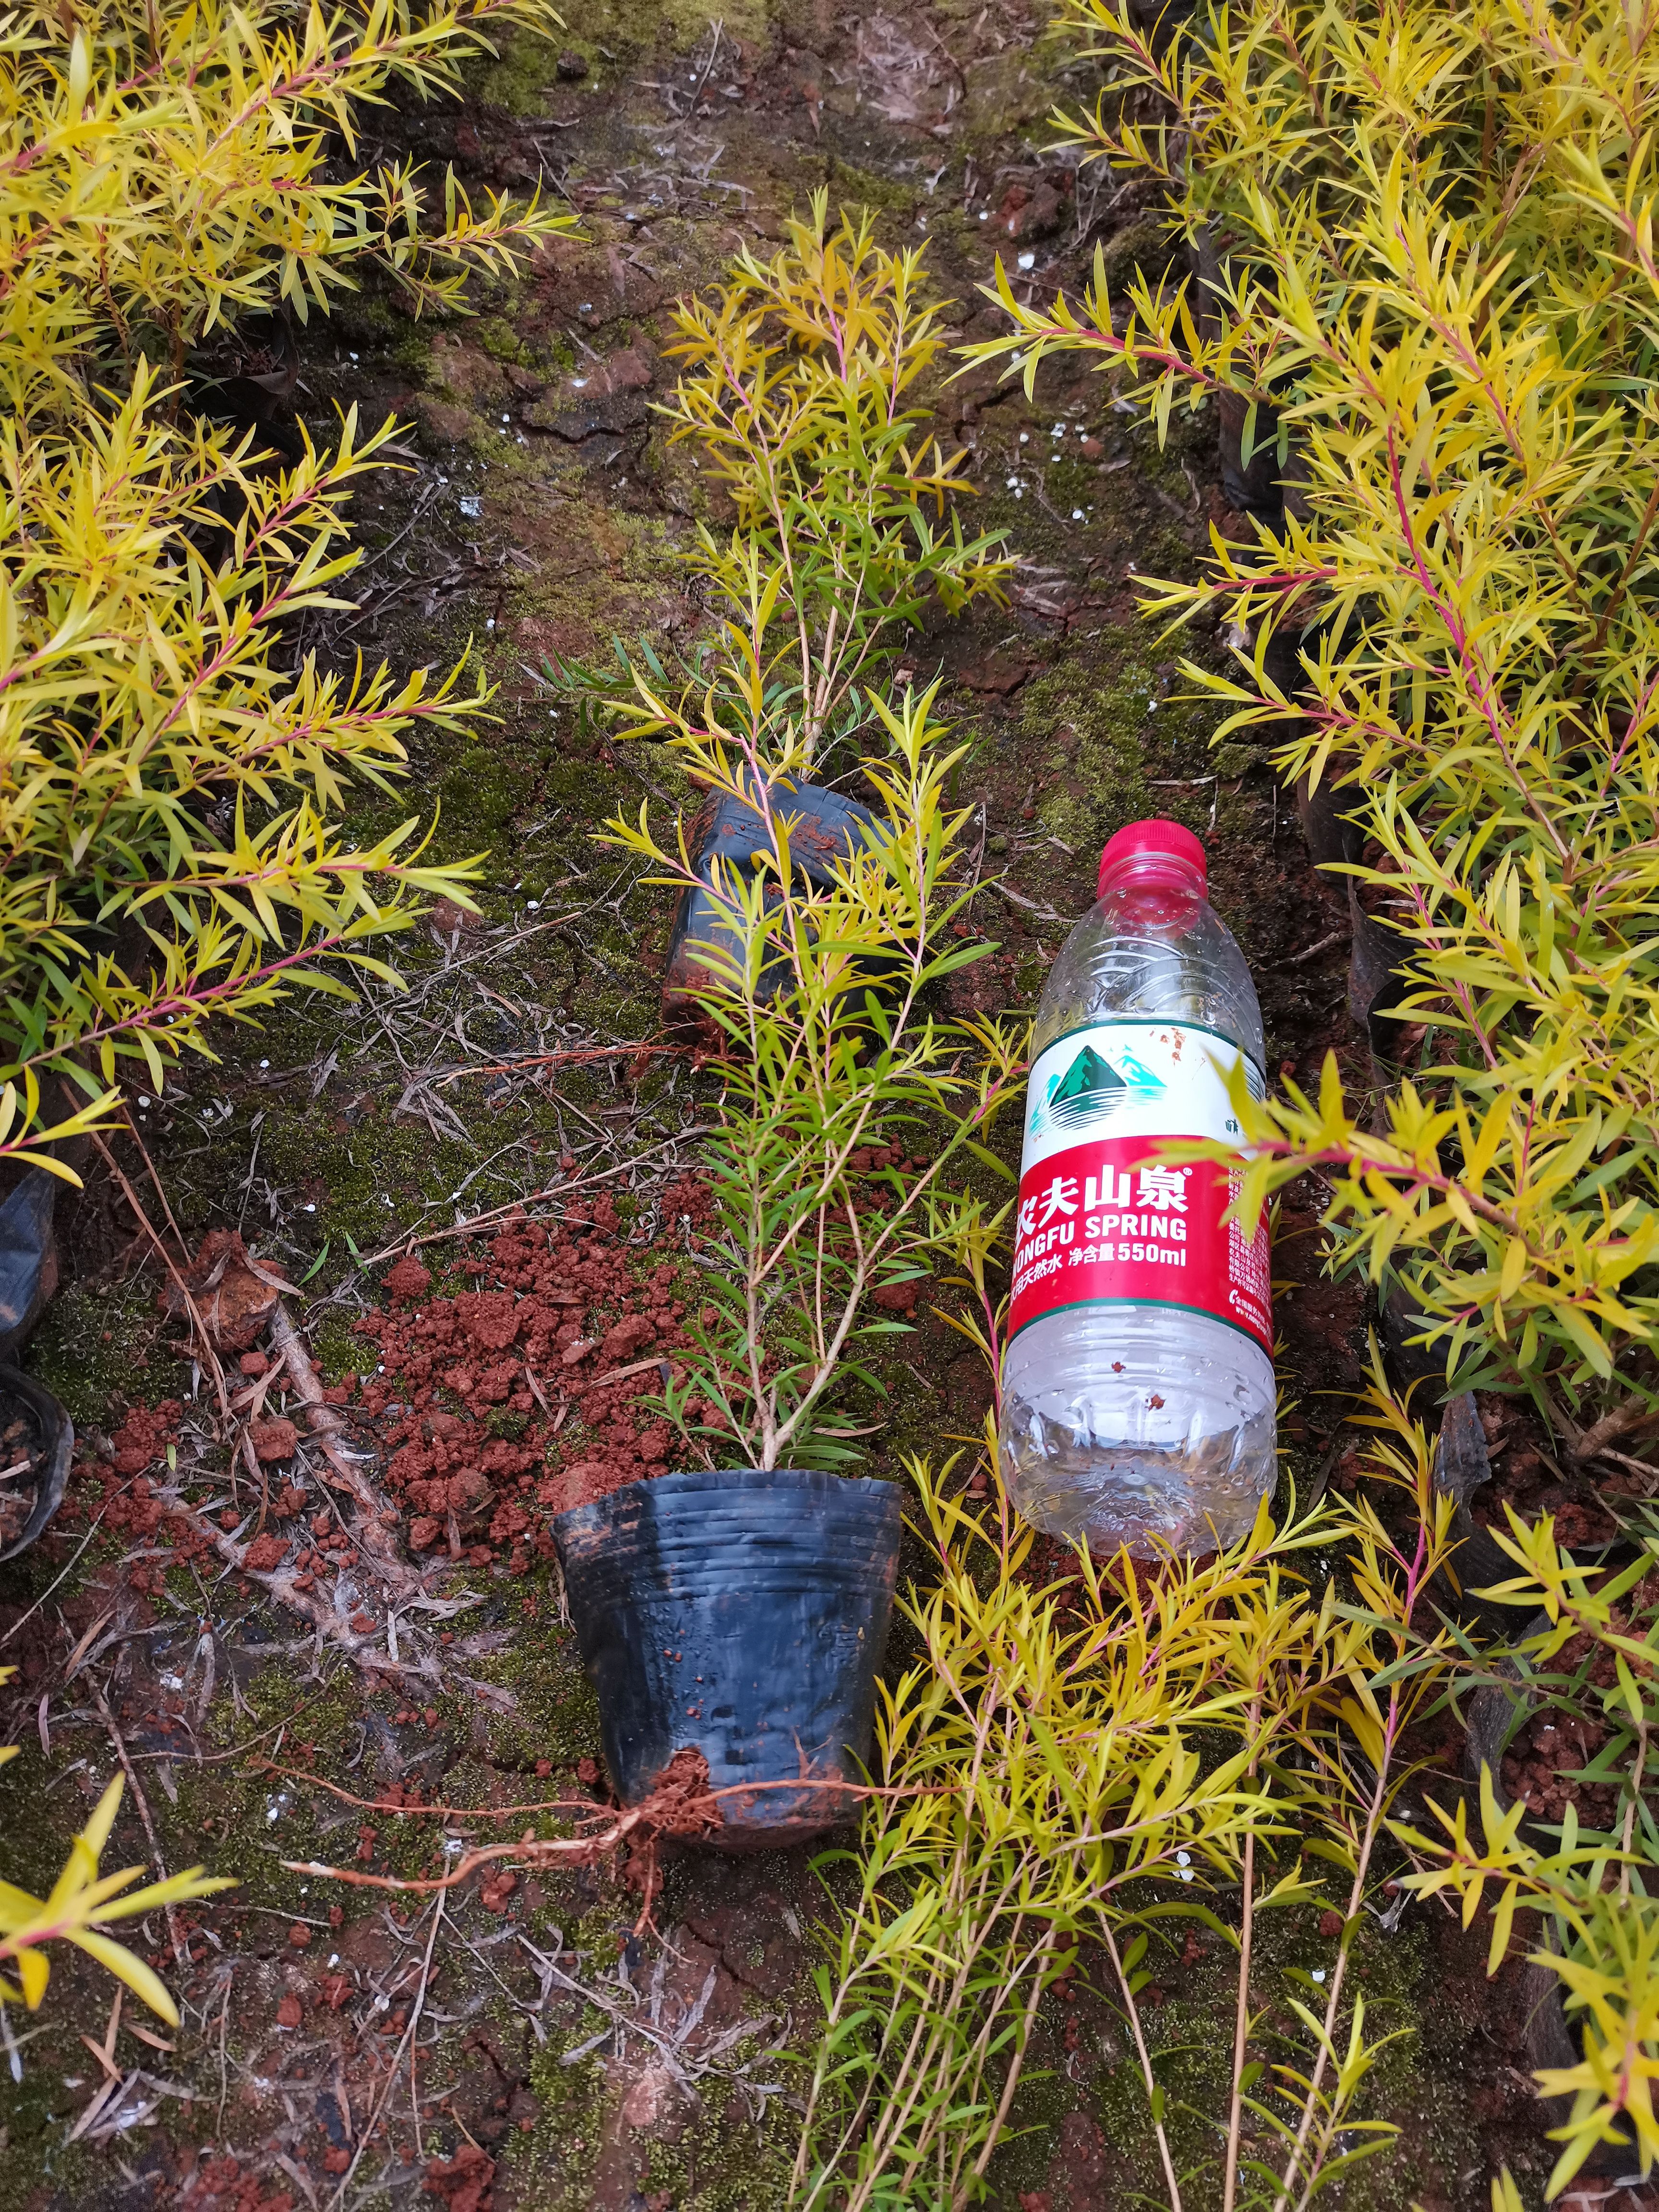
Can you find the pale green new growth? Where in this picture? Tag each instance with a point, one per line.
(1053, 1774)
(799, 389)
(82, 1905)
(819, 988)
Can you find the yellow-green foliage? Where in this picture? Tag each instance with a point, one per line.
(1436, 227)
(800, 387)
(818, 988)
(171, 773)
(1085, 1760)
(1592, 1900)
(82, 1904)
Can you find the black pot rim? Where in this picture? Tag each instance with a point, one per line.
(687, 1482)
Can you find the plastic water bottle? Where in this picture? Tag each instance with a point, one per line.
(1138, 1378)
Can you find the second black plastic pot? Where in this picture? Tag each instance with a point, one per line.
(824, 828)
(46, 1444)
(1552, 2042)
(744, 1615)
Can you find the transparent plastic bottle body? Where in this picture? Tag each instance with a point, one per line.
(1142, 1423)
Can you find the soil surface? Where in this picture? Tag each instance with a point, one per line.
(474, 1207)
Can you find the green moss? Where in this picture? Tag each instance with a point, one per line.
(1236, 760)
(87, 1343)
(851, 186)
(1090, 734)
(499, 339)
(1191, 2063)
(552, 2167)
(411, 351)
(555, 1716)
(1146, 248)
(516, 77)
(37, 2109)
(728, 2159)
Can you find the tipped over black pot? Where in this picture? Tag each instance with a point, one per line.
(36, 1442)
(741, 1615)
(824, 828)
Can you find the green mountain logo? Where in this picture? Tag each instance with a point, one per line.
(1090, 1091)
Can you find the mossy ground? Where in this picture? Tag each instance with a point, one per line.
(326, 1132)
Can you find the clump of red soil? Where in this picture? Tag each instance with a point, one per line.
(464, 2181)
(409, 1278)
(681, 1802)
(496, 1409)
(123, 1490)
(225, 2184)
(1555, 1741)
(512, 1401)
(1539, 1763)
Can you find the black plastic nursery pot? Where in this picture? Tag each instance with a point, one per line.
(824, 828)
(741, 1614)
(28, 1256)
(37, 1443)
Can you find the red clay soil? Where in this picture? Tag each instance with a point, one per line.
(681, 1803)
(496, 1408)
(1541, 1763)
(562, 1324)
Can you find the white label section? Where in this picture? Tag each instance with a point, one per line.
(1132, 1078)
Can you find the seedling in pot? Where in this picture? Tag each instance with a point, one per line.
(834, 1087)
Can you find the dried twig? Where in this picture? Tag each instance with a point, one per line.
(334, 1626)
(371, 1528)
(175, 1931)
(210, 1357)
(1030, 905)
(553, 1059)
(1311, 951)
(406, 2043)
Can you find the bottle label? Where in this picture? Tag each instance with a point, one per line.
(1100, 1215)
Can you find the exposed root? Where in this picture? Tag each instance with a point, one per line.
(559, 1850)
(682, 1807)
(332, 1623)
(682, 1804)
(375, 1523)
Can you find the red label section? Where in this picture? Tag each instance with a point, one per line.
(1108, 1219)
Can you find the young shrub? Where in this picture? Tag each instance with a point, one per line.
(799, 388)
(847, 1099)
(1437, 299)
(1089, 1761)
(172, 777)
(836, 1078)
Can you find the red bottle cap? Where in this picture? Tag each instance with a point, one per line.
(1136, 840)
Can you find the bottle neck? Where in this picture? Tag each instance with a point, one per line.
(1152, 886)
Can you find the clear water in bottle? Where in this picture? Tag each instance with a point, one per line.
(1138, 1379)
